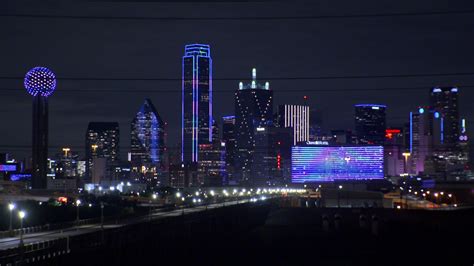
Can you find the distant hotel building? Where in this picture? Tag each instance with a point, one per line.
(296, 117)
(147, 143)
(370, 123)
(102, 142)
(253, 112)
(196, 101)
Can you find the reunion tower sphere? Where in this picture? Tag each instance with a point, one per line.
(40, 81)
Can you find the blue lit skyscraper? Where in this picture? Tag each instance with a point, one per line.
(147, 142)
(196, 127)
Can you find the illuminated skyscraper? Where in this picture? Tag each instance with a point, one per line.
(370, 123)
(102, 141)
(425, 127)
(296, 117)
(40, 83)
(445, 102)
(196, 127)
(147, 142)
(253, 110)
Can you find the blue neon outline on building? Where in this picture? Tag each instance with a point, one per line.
(370, 105)
(411, 132)
(442, 130)
(195, 51)
(329, 163)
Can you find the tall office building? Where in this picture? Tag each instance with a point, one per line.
(196, 127)
(370, 123)
(445, 101)
(253, 109)
(147, 143)
(228, 138)
(425, 130)
(296, 117)
(102, 141)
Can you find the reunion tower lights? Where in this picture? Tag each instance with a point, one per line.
(40, 82)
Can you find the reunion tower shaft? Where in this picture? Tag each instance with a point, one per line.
(40, 142)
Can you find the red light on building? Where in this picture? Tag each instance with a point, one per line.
(278, 161)
(390, 132)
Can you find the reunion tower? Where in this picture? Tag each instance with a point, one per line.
(40, 83)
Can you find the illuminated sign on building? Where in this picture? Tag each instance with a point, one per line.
(324, 164)
(317, 142)
(389, 132)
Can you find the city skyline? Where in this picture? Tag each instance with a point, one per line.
(119, 101)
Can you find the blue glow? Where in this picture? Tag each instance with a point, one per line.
(19, 177)
(436, 90)
(436, 115)
(228, 117)
(411, 132)
(40, 81)
(210, 100)
(421, 110)
(7, 167)
(454, 90)
(371, 105)
(322, 164)
(442, 130)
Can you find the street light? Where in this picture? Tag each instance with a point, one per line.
(22, 215)
(11, 207)
(78, 202)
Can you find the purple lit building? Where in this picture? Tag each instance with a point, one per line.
(311, 164)
(196, 127)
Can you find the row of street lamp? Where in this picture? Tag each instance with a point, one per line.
(21, 215)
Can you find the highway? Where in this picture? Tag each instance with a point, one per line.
(33, 238)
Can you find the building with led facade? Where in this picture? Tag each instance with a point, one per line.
(196, 127)
(102, 141)
(147, 143)
(425, 130)
(253, 109)
(330, 163)
(370, 123)
(296, 117)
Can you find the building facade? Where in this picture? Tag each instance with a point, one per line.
(370, 123)
(253, 109)
(147, 143)
(102, 141)
(228, 138)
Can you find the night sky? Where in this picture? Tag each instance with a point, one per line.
(77, 49)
